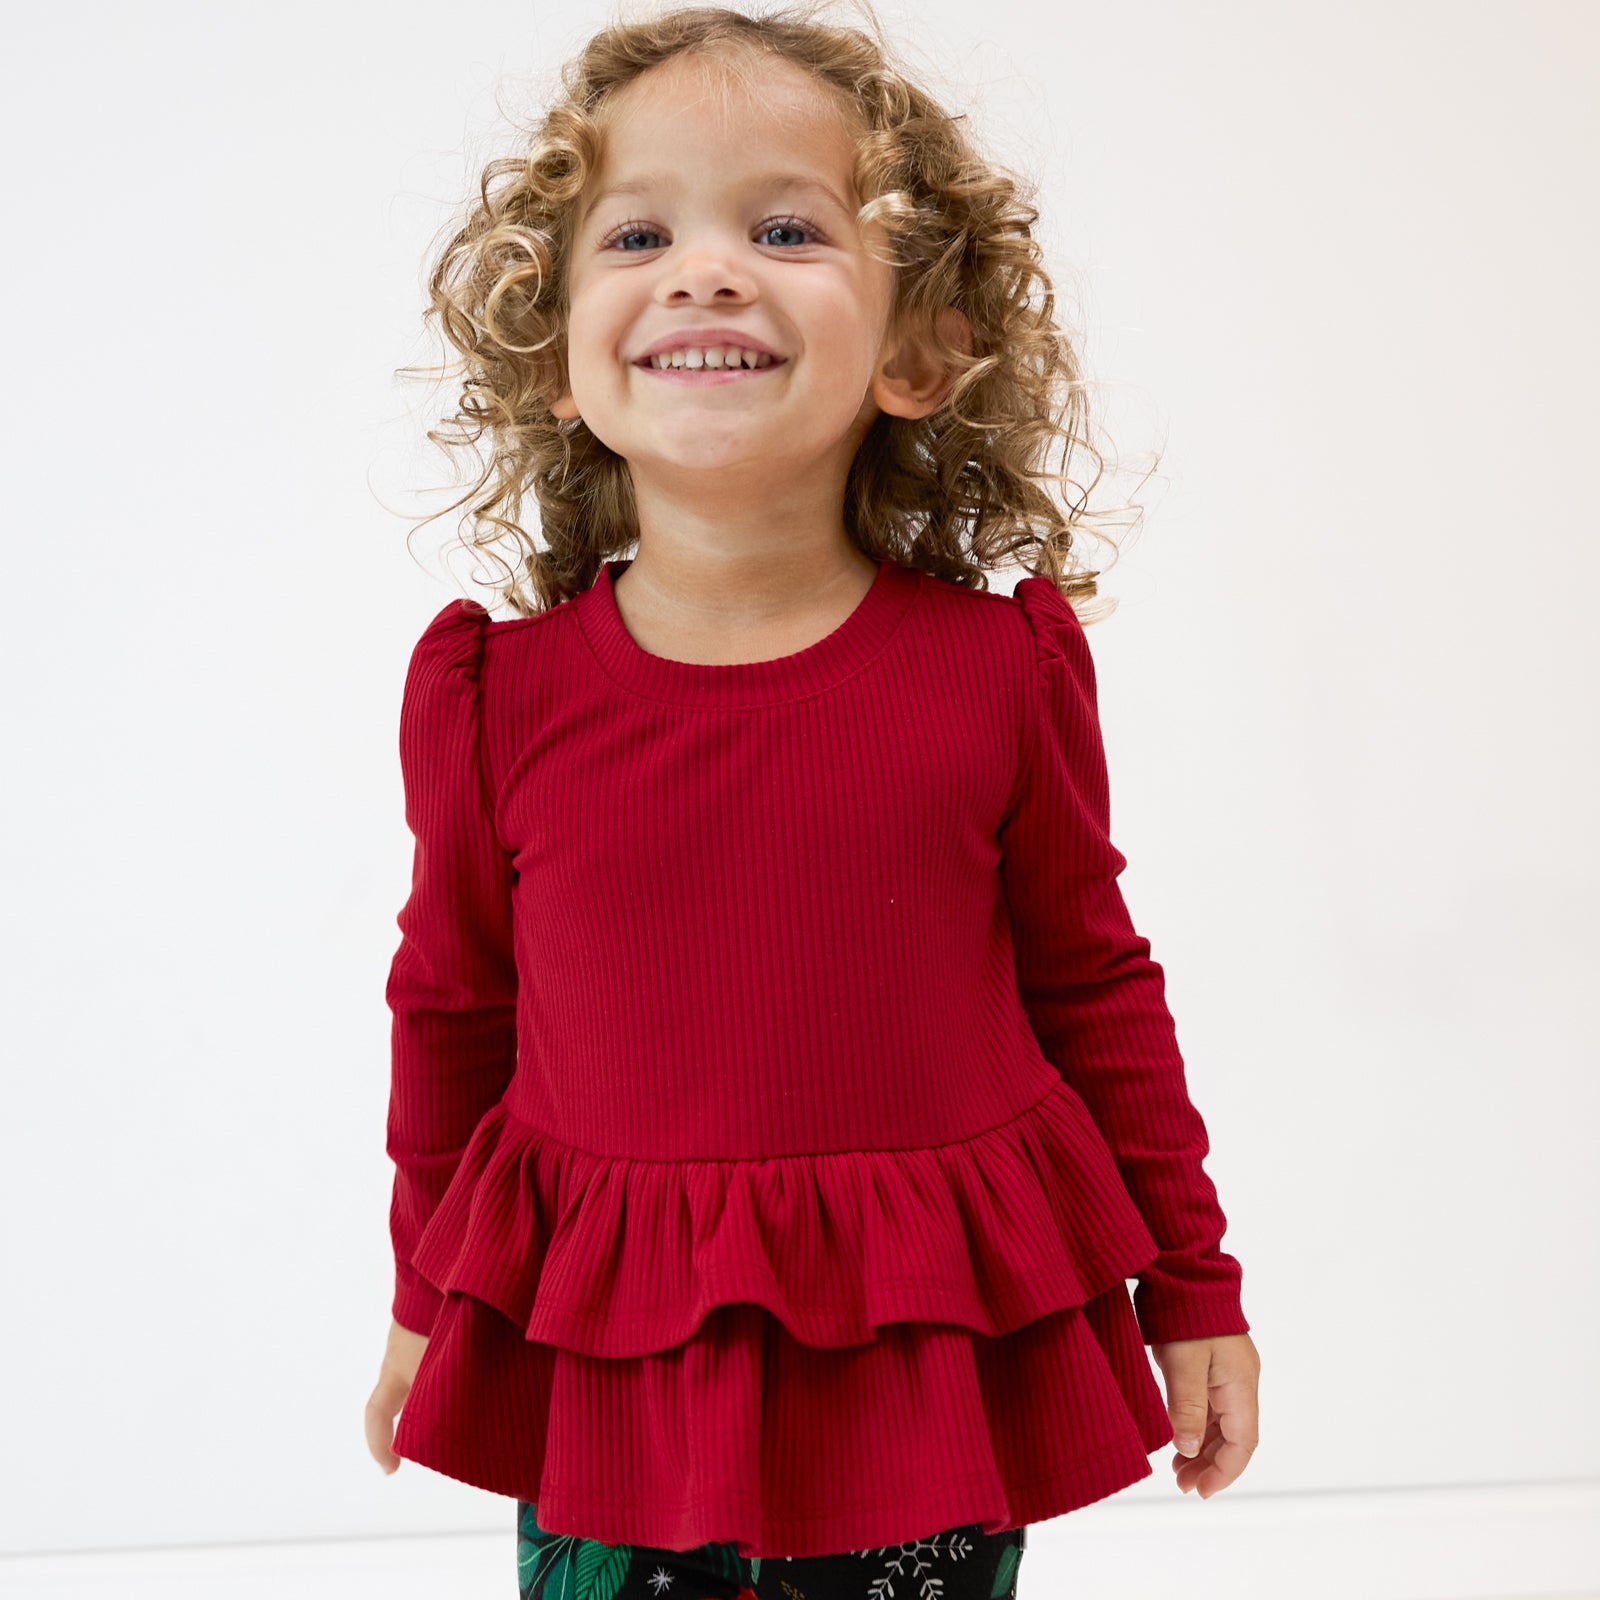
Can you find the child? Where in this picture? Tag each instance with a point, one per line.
(781, 1095)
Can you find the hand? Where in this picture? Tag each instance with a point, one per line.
(1211, 1388)
(401, 1358)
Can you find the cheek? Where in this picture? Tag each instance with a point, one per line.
(842, 329)
(596, 372)
(840, 364)
(598, 321)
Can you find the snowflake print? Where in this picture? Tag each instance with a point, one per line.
(660, 1579)
(957, 1545)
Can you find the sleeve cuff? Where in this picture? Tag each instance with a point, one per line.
(416, 1301)
(1166, 1314)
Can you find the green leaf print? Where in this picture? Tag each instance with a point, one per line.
(601, 1569)
(1005, 1573)
(560, 1566)
(544, 1565)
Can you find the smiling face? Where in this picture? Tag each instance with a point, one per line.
(738, 215)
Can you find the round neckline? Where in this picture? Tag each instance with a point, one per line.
(831, 659)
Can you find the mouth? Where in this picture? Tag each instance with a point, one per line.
(709, 377)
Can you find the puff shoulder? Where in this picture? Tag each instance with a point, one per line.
(453, 641)
(445, 663)
(1058, 635)
(441, 709)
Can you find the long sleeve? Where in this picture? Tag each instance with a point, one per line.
(452, 984)
(1095, 998)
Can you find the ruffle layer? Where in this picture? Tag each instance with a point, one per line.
(618, 1257)
(745, 1434)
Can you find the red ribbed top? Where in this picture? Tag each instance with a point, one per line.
(781, 1094)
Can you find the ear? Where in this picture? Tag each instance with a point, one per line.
(564, 408)
(913, 381)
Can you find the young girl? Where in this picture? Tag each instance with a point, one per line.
(781, 1095)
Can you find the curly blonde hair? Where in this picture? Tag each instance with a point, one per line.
(956, 492)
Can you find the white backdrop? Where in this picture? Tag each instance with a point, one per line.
(1332, 260)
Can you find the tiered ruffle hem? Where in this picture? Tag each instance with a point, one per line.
(801, 1354)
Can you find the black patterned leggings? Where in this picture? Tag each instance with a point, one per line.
(962, 1563)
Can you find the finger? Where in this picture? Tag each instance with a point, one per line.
(1229, 1443)
(1187, 1369)
(1188, 1470)
(380, 1436)
(382, 1408)
(1236, 1440)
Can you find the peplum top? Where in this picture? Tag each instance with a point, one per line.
(781, 1097)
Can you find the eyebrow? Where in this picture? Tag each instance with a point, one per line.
(767, 180)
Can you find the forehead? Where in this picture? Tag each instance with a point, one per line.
(688, 118)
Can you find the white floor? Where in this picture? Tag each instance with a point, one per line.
(1528, 1542)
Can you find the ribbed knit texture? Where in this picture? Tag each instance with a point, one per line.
(781, 1094)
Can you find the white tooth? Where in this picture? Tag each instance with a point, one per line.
(712, 357)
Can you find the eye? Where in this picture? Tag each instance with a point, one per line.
(630, 230)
